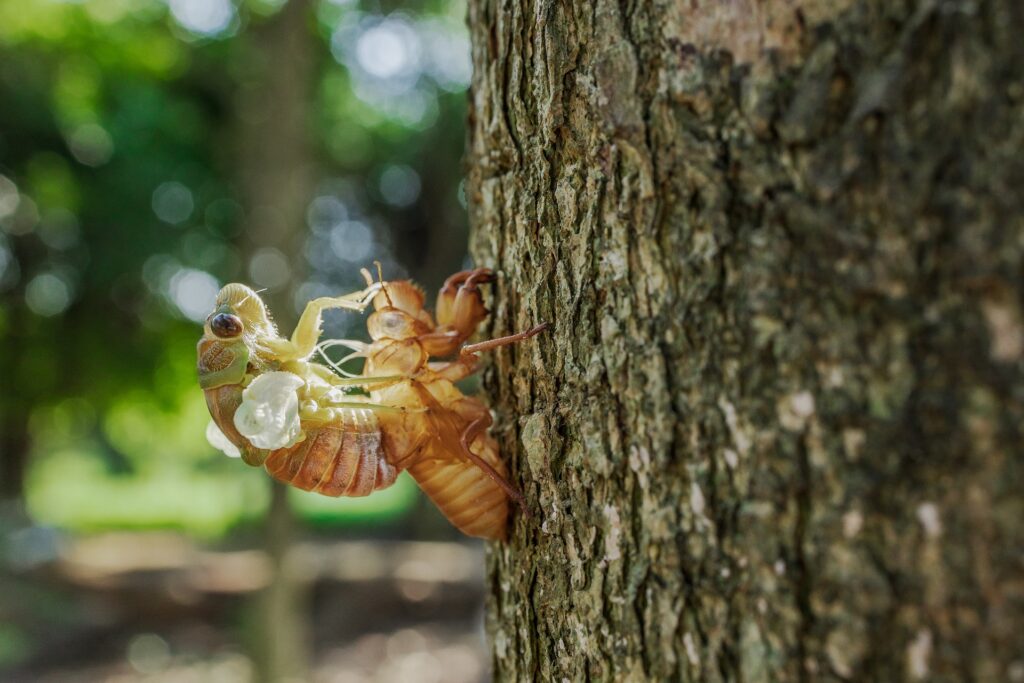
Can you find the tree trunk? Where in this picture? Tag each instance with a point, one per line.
(276, 164)
(775, 432)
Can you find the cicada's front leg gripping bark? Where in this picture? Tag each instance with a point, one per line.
(307, 331)
(475, 429)
(460, 308)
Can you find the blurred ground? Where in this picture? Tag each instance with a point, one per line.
(159, 607)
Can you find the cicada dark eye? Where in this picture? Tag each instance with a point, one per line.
(226, 326)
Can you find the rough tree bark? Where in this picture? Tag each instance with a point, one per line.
(775, 433)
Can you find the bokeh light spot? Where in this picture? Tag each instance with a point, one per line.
(194, 293)
(47, 294)
(399, 185)
(325, 212)
(9, 269)
(25, 218)
(448, 48)
(205, 17)
(148, 653)
(352, 241)
(387, 49)
(172, 202)
(269, 268)
(9, 197)
(91, 144)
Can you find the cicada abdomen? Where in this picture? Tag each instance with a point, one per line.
(345, 458)
(471, 500)
(342, 458)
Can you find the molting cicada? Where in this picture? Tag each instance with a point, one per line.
(296, 418)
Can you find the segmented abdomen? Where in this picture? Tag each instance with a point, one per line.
(344, 459)
(353, 457)
(470, 499)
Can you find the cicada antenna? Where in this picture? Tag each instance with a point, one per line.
(380, 277)
(383, 287)
(246, 297)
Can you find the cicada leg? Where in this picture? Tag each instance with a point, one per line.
(322, 414)
(369, 381)
(307, 331)
(352, 381)
(447, 420)
(466, 439)
(458, 298)
(466, 365)
(503, 341)
(377, 407)
(459, 310)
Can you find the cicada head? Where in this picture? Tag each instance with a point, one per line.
(239, 312)
(231, 332)
(399, 312)
(404, 295)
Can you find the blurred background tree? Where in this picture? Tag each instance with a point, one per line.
(151, 151)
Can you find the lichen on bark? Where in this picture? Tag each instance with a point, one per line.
(775, 431)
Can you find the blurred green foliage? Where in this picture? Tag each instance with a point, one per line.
(120, 212)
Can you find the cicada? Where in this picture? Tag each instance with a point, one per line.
(300, 420)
